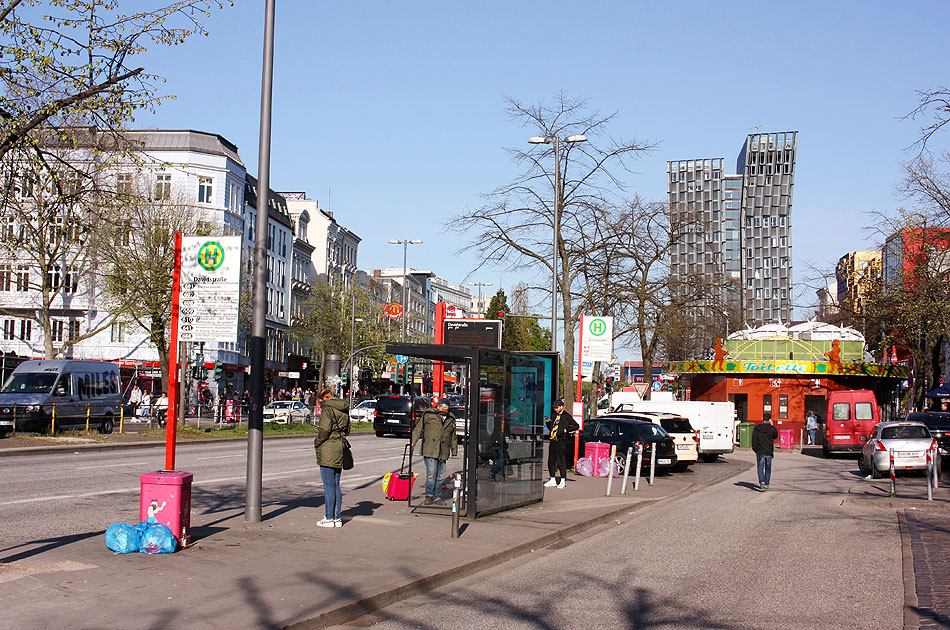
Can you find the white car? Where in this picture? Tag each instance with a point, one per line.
(285, 411)
(364, 411)
(909, 442)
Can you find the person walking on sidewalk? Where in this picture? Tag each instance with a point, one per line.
(436, 429)
(763, 438)
(811, 425)
(562, 428)
(334, 426)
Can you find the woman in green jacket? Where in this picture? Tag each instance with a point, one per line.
(334, 426)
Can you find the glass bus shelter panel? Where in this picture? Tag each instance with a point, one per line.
(443, 490)
(510, 419)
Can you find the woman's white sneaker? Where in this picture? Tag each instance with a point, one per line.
(562, 485)
(326, 522)
(550, 483)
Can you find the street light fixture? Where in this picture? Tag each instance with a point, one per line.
(405, 252)
(480, 285)
(558, 194)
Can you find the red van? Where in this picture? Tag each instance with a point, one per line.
(852, 415)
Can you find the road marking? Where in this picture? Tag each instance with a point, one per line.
(221, 456)
(110, 465)
(291, 450)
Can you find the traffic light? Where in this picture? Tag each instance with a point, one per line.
(609, 384)
(410, 373)
(399, 378)
(501, 314)
(218, 370)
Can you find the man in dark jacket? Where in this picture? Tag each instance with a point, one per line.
(763, 436)
(562, 428)
(436, 429)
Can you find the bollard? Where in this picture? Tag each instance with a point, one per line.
(652, 462)
(610, 467)
(893, 474)
(121, 416)
(936, 476)
(636, 482)
(930, 470)
(52, 424)
(455, 505)
(801, 439)
(87, 418)
(626, 471)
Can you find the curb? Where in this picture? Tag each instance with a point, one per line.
(911, 618)
(56, 448)
(901, 504)
(372, 603)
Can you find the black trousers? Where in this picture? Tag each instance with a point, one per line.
(557, 457)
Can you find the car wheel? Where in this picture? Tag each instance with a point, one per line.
(4, 434)
(875, 473)
(824, 450)
(380, 434)
(680, 467)
(107, 425)
(863, 466)
(709, 457)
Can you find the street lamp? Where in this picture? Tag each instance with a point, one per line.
(353, 320)
(405, 252)
(480, 285)
(558, 194)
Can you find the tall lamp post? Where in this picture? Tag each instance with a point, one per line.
(480, 285)
(558, 200)
(353, 320)
(405, 253)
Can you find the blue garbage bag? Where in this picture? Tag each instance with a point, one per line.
(123, 538)
(156, 538)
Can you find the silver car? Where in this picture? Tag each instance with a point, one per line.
(286, 411)
(364, 411)
(909, 441)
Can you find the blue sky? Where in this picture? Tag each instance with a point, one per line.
(392, 114)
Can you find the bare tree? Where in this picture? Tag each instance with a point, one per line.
(137, 257)
(934, 105)
(72, 62)
(52, 206)
(550, 203)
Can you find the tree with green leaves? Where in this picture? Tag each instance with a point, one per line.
(66, 63)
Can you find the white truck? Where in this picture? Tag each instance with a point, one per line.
(716, 422)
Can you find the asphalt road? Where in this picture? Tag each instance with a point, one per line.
(76, 492)
(725, 556)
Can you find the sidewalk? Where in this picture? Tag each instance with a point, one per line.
(285, 572)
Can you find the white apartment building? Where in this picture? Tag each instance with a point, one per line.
(335, 247)
(202, 171)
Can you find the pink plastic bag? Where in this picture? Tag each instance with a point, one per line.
(584, 467)
(604, 463)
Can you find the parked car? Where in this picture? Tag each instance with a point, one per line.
(909, 441)
(939, 424)
(851, 416)
(398, 414)
(682, 432)
(286, 411)
(363, 412)
(626, 430)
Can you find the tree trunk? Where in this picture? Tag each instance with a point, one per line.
(161, 343)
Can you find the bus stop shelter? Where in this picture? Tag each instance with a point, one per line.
(508, 395)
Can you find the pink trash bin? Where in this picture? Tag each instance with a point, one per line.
(596, 451)
(166, 498)
(786, 438)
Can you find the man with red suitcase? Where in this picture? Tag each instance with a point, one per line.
(436, 429)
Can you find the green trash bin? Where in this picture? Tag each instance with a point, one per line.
(745, 434)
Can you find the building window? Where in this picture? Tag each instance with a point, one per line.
(56, 329)
(9, 329)
(23, 278)
(73, 330)
(163, 187)
(26, 329)
(124, 184)
(205, 190)
(767, 404)
(6, 275)
(7, 225)
(783, 406)
(117, 333)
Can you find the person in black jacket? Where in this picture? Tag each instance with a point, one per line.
(763, 437)
(562, 428)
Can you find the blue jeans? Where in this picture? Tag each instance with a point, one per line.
(435, 475)
(765, 469)
(811, 435)
(332, 495)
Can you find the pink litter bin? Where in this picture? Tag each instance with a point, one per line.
(166, 498)
(596, 451)
(786, 439)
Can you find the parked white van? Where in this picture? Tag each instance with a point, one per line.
(716, 422)
(74, 389)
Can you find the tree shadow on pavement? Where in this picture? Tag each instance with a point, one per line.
(362, 508)
(634, 608)
(46, 544)
(926, 614)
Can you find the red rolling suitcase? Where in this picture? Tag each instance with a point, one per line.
(400, 483)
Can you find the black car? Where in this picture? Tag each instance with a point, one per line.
(627, 431)
(939, 424)
(398, 414)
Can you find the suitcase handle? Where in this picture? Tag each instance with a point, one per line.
(406, 454)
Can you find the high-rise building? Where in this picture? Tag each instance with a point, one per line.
(739, 234)
(854, 275)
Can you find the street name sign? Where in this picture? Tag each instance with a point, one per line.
(209, 297)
